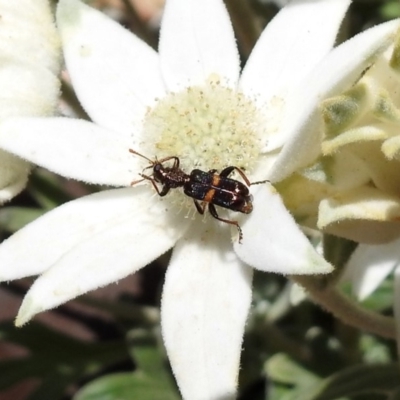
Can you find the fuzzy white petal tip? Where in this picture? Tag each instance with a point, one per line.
(115, 74)
(74, 148)
(77, 259)
(195, 25)
(31, 59)
(27, 311)
(205, 303)
(333, 75)
(273, 242)
(282, 57)
(13, 176)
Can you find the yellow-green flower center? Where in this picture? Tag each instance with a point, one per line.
(207, 127)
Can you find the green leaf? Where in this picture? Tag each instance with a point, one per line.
(126, 386)
(337, 250)
(14, 218)
(390, 10)
(146, 353)
(46, 189)
(362, 379)
(53, 345)
(374, 350)
(283, 369)
(151, 380)
(145, 316)
(292, 381)
(383, 297)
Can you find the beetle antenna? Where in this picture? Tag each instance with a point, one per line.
(259, 182)
(141, 155)
(137, 181)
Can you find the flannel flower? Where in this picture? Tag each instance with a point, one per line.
(361, 200)
(185, 101)
(30, 62)
(350, 188)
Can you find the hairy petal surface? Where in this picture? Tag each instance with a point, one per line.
(363, 214)
(13, 175)
(196, 41)
(290, 46)
(30, 62)
(369, 265)
(336, 72)
(103, 256)
(115, 74)
(72, 148)
(53, 235)
(273, 242)
(206, 299)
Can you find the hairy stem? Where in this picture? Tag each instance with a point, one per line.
(345, 309)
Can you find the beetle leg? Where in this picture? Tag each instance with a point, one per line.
(165, 189)
(176, 161)
(228, 170)
(200, 208)
(150, 166)
(214, 213)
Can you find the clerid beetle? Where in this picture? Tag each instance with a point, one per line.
(207, 189)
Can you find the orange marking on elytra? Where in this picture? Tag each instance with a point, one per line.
(209, 196)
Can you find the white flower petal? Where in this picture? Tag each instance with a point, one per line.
(206, 299)
(196, 41)
(369, 265)
(282, 58)
(354, 136)
(391, 148)
(27, 91)
(364, 214)
(73, 148)
(58, 231)
(115, 74)
(30, 60)
(28, 35)
(291, 45)
(14, 187)
(273, 242)
(365, 231)
(107, 255)
(298, 294)
(13, 176)
(338, 71)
